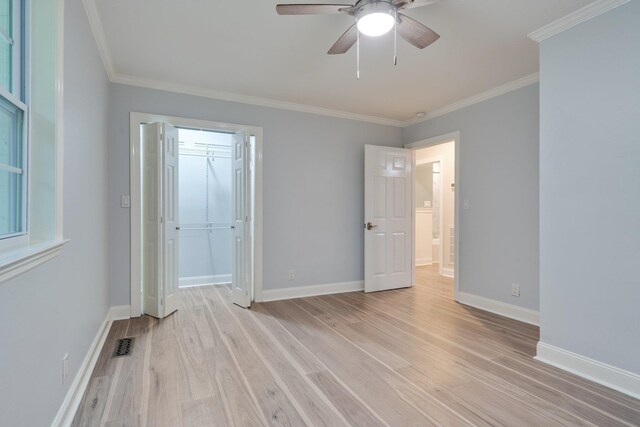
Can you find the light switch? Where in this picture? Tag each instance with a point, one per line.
(465, 204)
(126, 201)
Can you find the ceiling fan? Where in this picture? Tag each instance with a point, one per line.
(372, 18)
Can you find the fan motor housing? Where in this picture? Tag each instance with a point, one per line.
(367, 7)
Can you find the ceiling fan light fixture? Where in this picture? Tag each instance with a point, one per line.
(375, 24)
(375, 19)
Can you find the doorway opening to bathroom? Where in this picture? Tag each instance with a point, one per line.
(435, 231)
(196, 210)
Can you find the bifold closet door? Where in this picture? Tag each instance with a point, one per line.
(240, 266)
(159, 219)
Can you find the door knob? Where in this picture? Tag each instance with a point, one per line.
(370, 226)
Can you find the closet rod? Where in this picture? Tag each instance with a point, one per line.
(213, 155)
(211, 227)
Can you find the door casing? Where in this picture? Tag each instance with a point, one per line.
(137, 118)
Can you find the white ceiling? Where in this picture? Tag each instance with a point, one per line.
(244, 47)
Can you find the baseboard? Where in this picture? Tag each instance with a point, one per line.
(215, 279)
(119, 312)
(618, 379)
(502, 308)
(423, 261)
(448, 272)
(311, 290)
(71, 402)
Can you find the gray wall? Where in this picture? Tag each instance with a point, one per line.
(59, 306)
(499, 175)
(313, 185)
(590, 188)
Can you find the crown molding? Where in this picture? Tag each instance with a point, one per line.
(491, 93)
(107, 60)
(246, 99)
(98, 34)
(105, 54)
(571, 20)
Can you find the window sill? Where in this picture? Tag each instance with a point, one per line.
(21, 260)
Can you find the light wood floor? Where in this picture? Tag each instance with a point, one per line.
(409, 357)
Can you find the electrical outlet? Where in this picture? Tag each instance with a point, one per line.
(292, 275)
(65, 368)
(125, 201)
(515, 290)
(465, 204)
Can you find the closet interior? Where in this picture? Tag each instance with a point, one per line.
(205, 198)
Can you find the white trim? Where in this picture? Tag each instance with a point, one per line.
(11, 169)
(98, 33)
(213, 279)
(502, 308)
(247, 99)
(13, 99)
(609, 376)
(311, 290)
(421, 262)
(447, 272)
(484, 96)
(59, 132)
(258, 245)
(135, 215)
(571, 20)
(455, 137)
(135, 119)
(25, 258)
(119, 312)
(72, 400)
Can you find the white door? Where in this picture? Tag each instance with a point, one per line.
(151, 228)
(239, 270)
(169, 303)
(387, 214)
(160, 219)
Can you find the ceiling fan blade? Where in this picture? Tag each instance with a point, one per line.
(345, 41)
(410, 4)
(415, 33)
(311, 9)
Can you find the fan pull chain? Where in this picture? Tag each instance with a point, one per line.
(357, 53)
(395, 37)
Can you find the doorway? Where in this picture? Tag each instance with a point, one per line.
(215, 187)
(205, 197)
(436, 214)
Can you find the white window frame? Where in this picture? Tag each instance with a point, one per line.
(19, 253)
(18, 96)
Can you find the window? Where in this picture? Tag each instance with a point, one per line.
(13, 121)
(31, 108)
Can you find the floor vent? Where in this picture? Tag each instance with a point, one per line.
(124, 346)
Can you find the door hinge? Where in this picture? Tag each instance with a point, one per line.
(161, 220)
